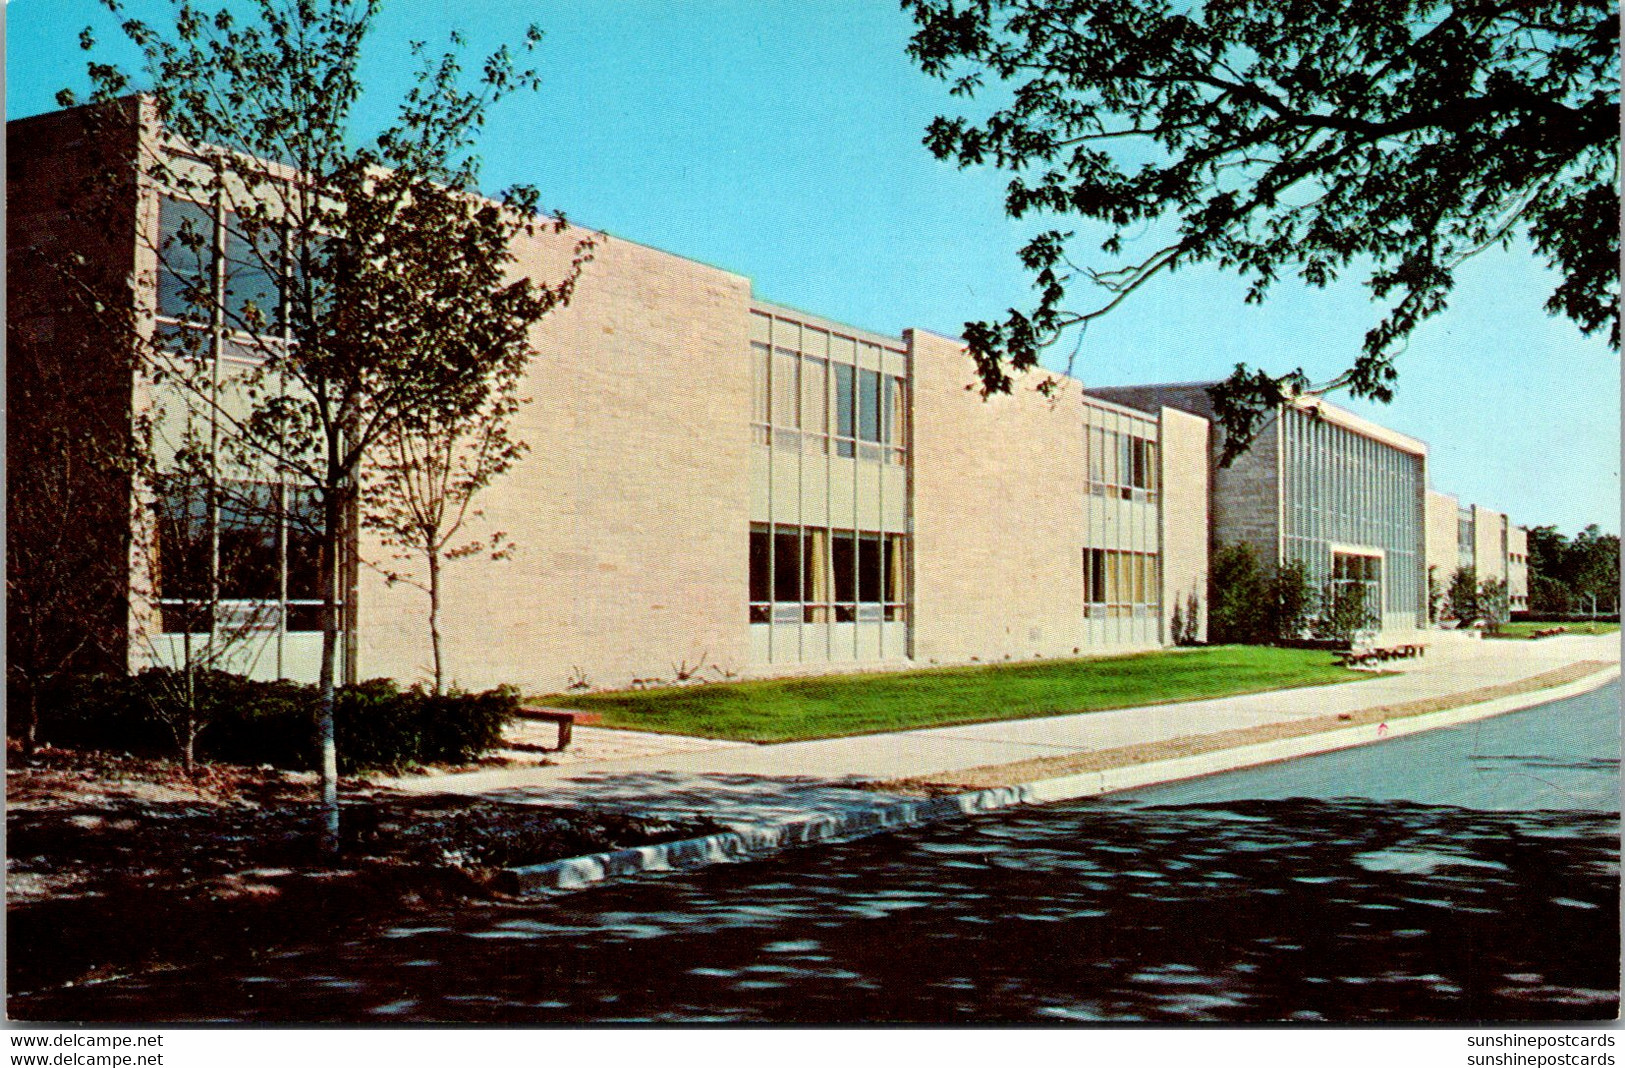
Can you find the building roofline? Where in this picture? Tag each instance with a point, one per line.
(821, 322)
(1358, 424)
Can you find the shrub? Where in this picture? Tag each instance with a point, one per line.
(1237, 597)
(378, 724)
(381, 726)
(1291, 602)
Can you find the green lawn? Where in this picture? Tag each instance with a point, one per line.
(1527, 630)
(831, 706)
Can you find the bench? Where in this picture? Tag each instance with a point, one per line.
(1380, 654)
(566, 722)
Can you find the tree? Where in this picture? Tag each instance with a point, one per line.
(67, 455)
(1493, 603)
(1237, 597)
(1571, 576)
(1463, 596)
(424, 486)
(1435, 596)
(1291, 600)
(1397, 139)
(1345, 612)
(359, 283)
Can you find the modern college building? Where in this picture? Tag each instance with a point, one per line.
(720, 485)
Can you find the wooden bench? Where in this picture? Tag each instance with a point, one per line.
(566, 722)
(1380, 654)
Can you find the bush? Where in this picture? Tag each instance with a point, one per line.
(1236, 598)
(378, 725)
(1292, 602)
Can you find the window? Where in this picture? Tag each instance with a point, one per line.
(237, 554)
(243, 283)
(869, 409)
(786, 399)
(1118, 583)
(814, 575)
(253, 265)
(1121, 465)
(761, 573)
(845, 409)
(807, 392)
(248, 529)
(186, 260)
(759, 360)
(814, 404)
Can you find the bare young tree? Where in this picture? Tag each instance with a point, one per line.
(311, 280)
(421, 495)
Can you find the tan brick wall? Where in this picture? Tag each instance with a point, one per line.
(1489, 557)
(630, 511)
(998, 495)
(1518, 570)
(1184, 441)
(1441, 530)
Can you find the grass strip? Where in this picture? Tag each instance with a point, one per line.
(833, 706)
(989, 776)
(1526, 631)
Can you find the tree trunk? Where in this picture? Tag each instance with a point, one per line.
(325, 739)
(31, 726)
(434, 621)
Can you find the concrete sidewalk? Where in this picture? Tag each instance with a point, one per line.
(769, 795)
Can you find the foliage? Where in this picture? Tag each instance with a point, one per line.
(1581, 575)
(1344, 613)
(1238, 598)
(1492, 603)
(1185, 625)
(1292, 601)
(382, 726)
(423, 489)
(255, 722)
(1396, 138)
(368, 285)
(1435, 596)
(69, 452)
(1463, 595)
(840, 705)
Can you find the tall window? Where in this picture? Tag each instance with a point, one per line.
(225, 270)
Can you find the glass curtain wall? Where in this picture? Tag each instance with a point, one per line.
(1346, 493)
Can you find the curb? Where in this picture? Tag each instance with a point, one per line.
(746, 842)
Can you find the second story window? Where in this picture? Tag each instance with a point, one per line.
(809, 392)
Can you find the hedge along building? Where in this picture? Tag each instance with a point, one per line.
(714, 484)
(1323, 487)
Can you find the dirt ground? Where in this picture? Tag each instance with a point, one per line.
(117, 864)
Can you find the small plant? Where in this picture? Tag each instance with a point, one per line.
(1344, 613)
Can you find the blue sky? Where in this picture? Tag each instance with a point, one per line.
(781, 140)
